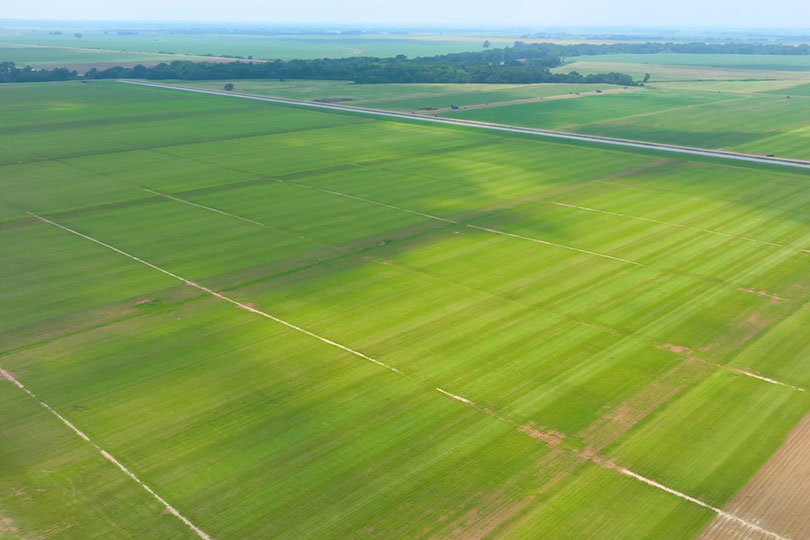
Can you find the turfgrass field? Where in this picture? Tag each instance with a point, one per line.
(292, 323)
(679, 67)
(82, 59)
(764, 123)
(399, 97)
(286, 47)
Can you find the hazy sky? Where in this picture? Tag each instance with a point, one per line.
(525, 13)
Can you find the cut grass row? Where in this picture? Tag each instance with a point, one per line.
(250, 428)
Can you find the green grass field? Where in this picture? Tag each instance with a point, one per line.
(762, 123)
(286, 47)
(81, 59)
(397, 97)
(691, 67)
(589, 300)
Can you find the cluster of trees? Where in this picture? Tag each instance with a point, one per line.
(365, 70)
(586, 49)
(9, 72)
(523, 63)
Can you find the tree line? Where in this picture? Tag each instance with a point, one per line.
(589, 49)
(523, 63)
(369, 72)
(11, 73)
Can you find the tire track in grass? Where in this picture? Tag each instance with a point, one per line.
(109, 457)
(548, 439)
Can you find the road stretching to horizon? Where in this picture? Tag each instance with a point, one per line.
(721, 154)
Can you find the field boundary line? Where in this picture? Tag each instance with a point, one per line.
(538, 241)
(590, 325)
(760, 377)
(721, 154)
(476, 227)
(679, 225)
(221, 296)
(378, 203)
(554, 244)
(167, 196)
(106, 455)
(467, 402)
(723, 514)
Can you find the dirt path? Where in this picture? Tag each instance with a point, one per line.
(776, 497)
(531, 100)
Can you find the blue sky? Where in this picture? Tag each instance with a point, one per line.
(524, 13)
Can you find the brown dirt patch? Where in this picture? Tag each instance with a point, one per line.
(680, 349)
(776, 498)
(479, 521)
(552, 438)
(7, 526)
(774, 298)
(623, 417)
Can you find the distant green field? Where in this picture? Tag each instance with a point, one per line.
(763, 123)
(259, 46)
(585, 300)
(768, 62)
(78, 58)
(800, 90)
(402, 97)
(695, 67)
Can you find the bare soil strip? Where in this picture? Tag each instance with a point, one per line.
(467, 402)
(722, 154)
(169, 508)
(671, 224)
(775, 497)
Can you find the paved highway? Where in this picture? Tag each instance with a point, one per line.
(722, 154)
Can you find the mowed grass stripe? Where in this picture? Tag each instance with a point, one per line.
(727, 213)
(465, 401)
(763, 378)
(555, 339)
(534, 239)
(489, 230)
(460, 398)
(709, 231)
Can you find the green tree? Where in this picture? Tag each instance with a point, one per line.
(229, 87)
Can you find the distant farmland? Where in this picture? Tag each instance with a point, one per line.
(769, 114)
(296, 324)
